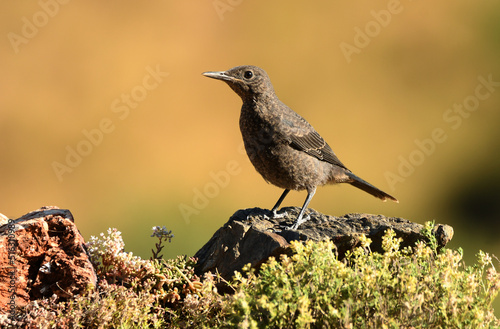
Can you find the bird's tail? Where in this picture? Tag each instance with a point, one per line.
(369, 188)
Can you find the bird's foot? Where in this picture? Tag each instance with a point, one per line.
(275, 215)
(278, 216)
(299, 222)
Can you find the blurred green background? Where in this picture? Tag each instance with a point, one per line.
(375, 78)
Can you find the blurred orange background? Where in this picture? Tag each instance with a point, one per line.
(104, 111)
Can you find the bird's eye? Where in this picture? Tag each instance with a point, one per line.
(248, 74)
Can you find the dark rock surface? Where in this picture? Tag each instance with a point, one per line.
(252, 236)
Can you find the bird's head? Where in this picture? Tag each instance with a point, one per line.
(247, 81)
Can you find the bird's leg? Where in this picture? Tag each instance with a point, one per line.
(300, 220)
(276, 206)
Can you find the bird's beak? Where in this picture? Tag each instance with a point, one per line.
(221, 75)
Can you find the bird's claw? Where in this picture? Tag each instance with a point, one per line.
(278, 216)
(275, 215)
(299, 222)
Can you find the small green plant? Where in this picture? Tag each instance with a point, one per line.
(162, 234)
(112, 263)
(408, 288)
(428, 233)
(109, 306)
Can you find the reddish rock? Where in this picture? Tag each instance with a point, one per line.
(42, 254)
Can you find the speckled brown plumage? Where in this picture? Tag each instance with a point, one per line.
(283, 147)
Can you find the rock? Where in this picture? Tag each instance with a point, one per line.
(3, 219)
(250, 236)
(48, 254)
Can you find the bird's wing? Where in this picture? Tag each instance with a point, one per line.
(302, 136)
(313, 144)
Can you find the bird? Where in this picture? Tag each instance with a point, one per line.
(282, 146)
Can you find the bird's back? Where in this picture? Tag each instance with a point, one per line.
(301, 135)
(284, 148)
